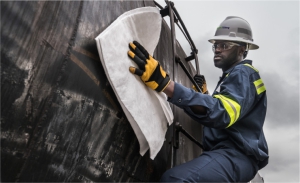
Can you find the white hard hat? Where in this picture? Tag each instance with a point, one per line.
(235, 29)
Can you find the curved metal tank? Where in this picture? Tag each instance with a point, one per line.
(60, 120)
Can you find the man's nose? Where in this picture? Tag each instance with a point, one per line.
(218, 50)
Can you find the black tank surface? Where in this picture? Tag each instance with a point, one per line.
(60, 119)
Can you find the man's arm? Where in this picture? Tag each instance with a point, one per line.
(152, 74)
(197, 109)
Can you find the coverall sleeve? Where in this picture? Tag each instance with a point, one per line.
(235, 98)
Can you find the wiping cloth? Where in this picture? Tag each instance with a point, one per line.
(147, 110)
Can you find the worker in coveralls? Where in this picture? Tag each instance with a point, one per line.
(233, 116)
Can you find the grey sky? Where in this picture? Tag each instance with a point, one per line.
(275, 27)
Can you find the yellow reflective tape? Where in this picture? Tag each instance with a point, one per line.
(261, 89)
(258, 82)
(251, 67)
(232, 107)
(260, 86)
(227, 75)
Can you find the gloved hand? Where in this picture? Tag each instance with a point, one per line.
(200, 80)
(150, 71)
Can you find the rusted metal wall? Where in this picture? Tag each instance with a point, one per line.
(60, 120)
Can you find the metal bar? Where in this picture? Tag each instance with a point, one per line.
(164, 12)
(156, 4)
(184, 28)
(194, 49)
(187, 73)
(197, 63)
(179, 128)
(193, 53)
(173, 41)
(173, 48)
(170, 161)
(176, 142)
(173, 36)
(189, 58)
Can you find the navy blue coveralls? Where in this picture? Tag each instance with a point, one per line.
(234, 144)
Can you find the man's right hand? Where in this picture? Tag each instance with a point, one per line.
(150, 71)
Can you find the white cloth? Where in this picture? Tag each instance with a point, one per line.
(147, 110)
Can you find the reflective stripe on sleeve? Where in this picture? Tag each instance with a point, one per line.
(232, 107)
(260, 86)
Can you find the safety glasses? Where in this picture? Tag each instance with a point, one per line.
(223, 46)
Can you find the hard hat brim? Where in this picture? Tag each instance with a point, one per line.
(252, 46)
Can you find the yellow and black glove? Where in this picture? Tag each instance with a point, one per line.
(201, 82)
(150, 71)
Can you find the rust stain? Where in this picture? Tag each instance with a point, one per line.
(107, 95)
(96, 81)
(85, 69)
(86, 53)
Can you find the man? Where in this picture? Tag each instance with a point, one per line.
(233, 116)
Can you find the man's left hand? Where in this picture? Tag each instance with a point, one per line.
(201, 82)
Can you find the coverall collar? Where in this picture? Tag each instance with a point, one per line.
(242, 62)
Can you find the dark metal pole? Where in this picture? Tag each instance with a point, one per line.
(174, 144)
(173, 47)
(179, 128)
(166, 11)
(195, 51)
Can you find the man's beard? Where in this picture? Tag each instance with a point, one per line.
(227, 62)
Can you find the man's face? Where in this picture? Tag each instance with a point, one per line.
(225, 59)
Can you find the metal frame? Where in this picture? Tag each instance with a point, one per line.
(171, 11)
(179, 128)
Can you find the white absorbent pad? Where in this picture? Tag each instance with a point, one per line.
(147, 110)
